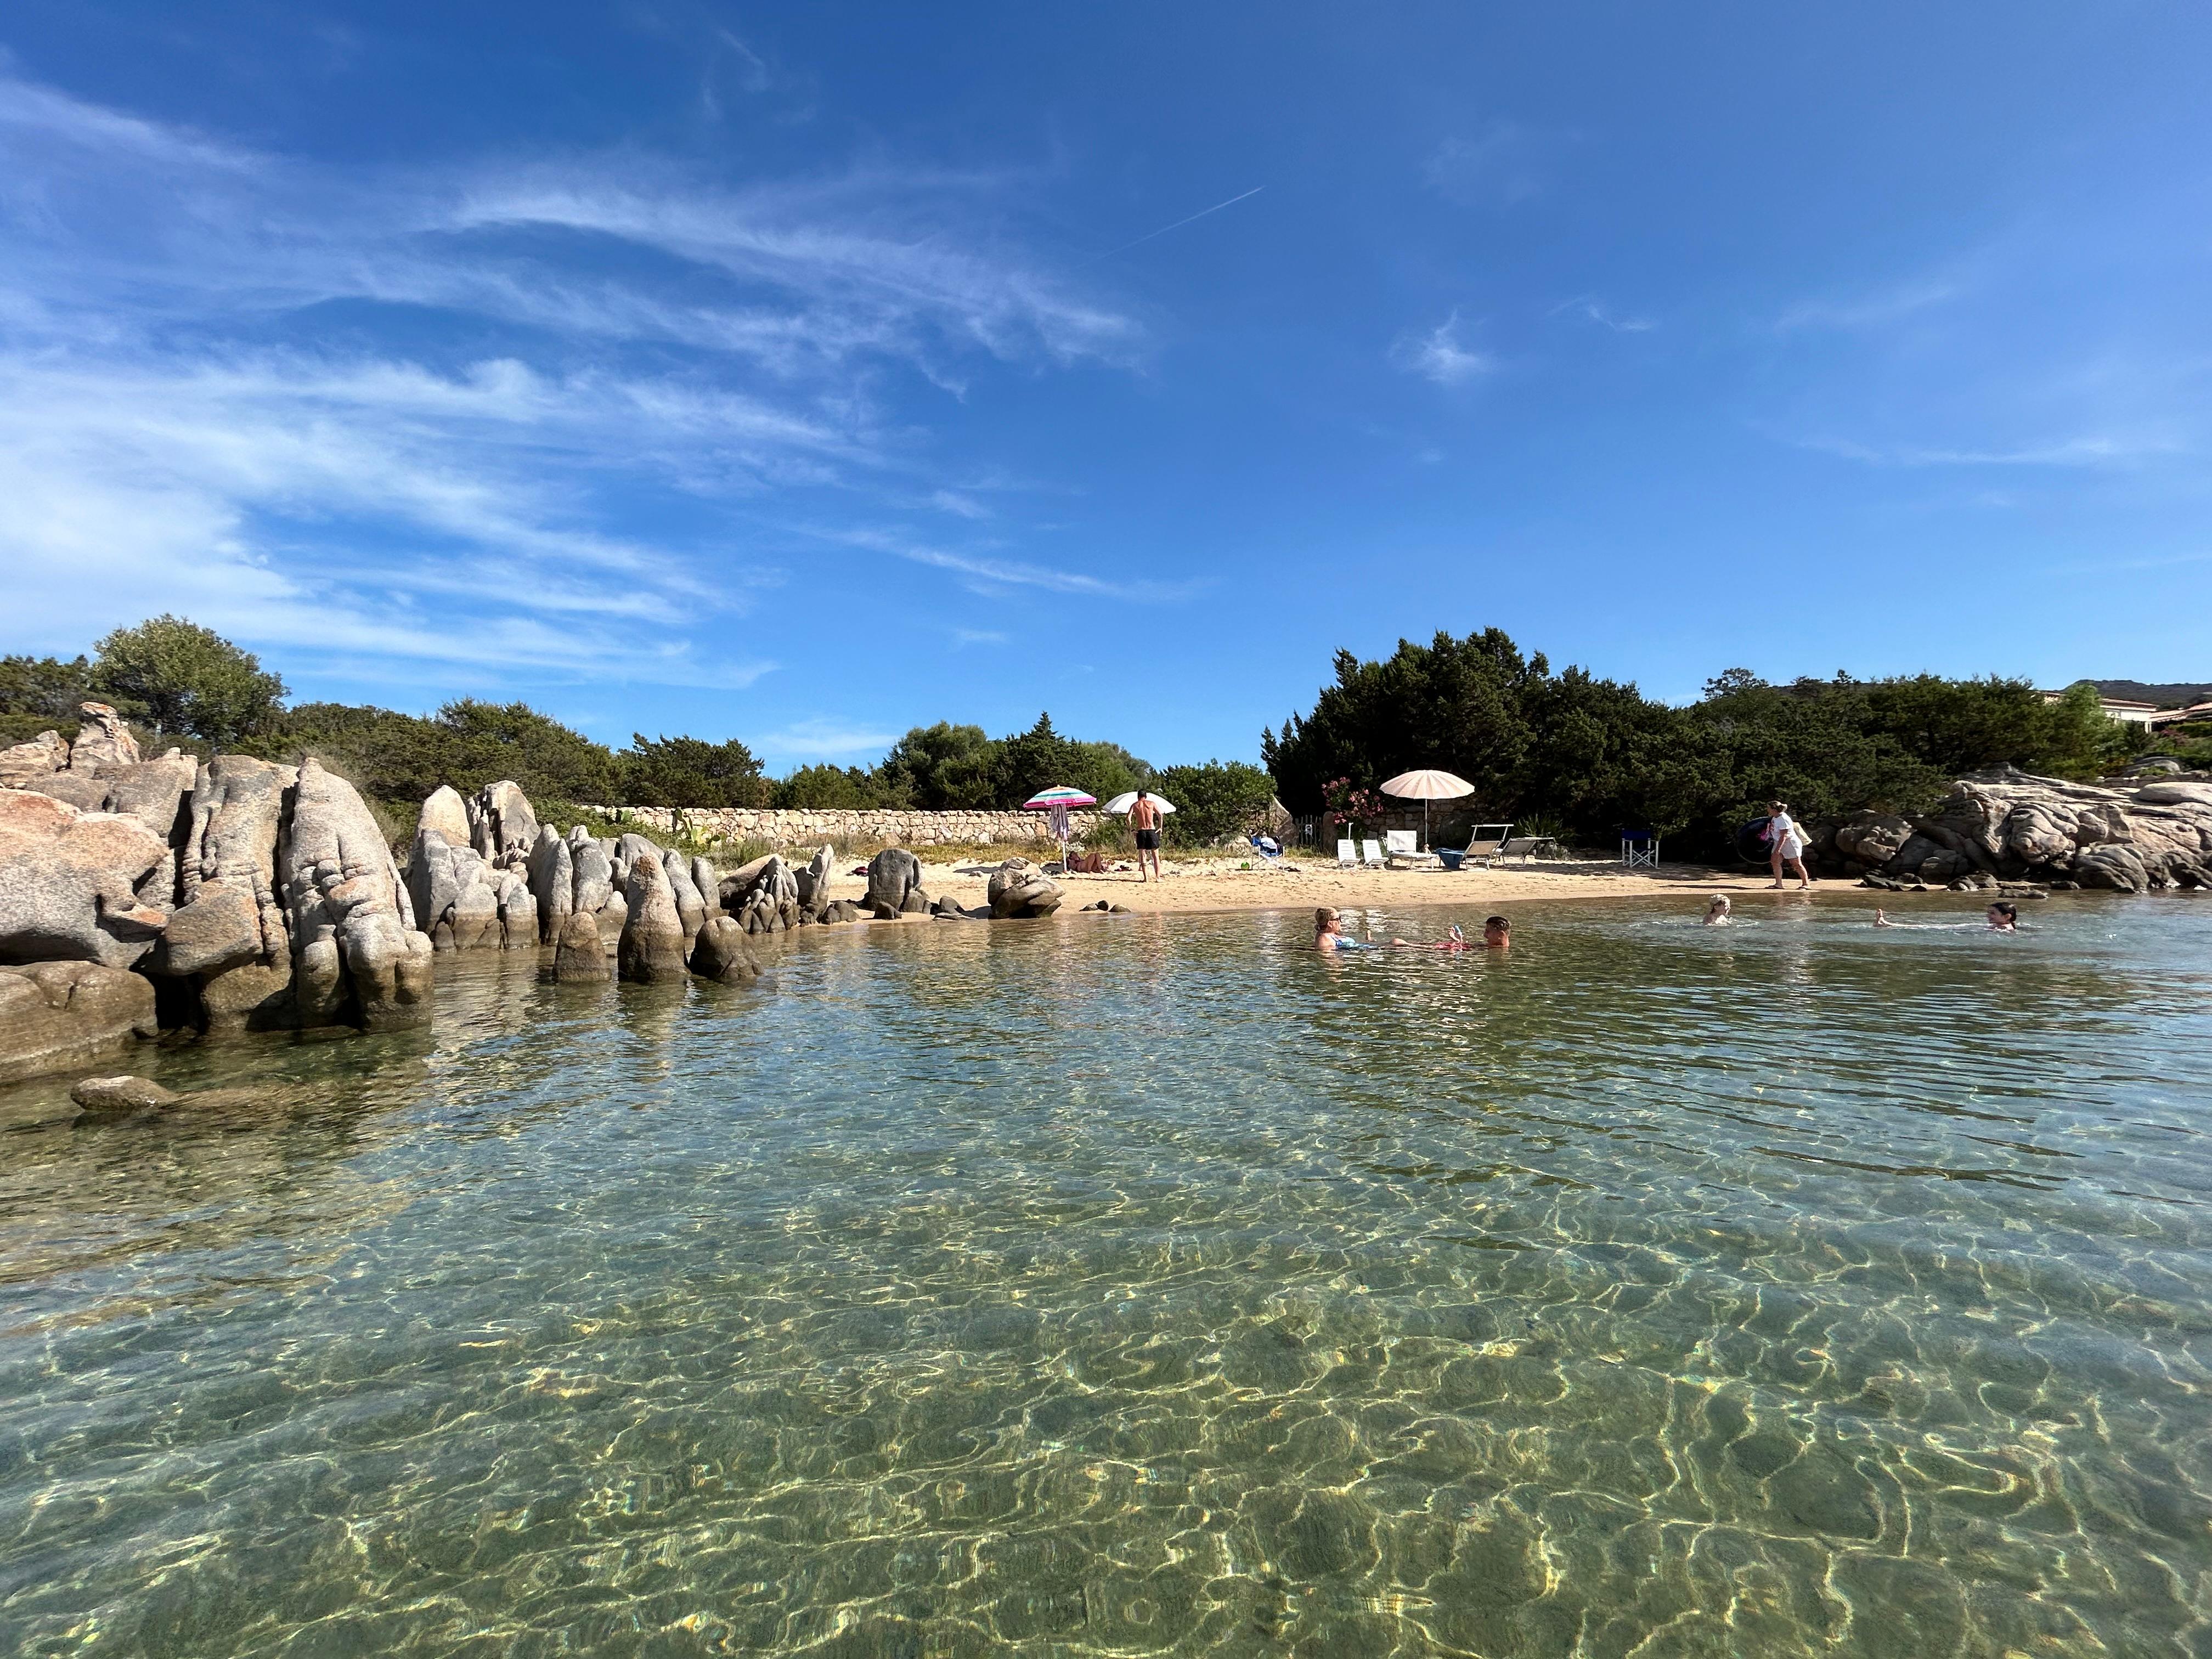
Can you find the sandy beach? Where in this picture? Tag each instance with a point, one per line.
(1199, 884)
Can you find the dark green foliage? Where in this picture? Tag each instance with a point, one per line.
(44, 688)
(689, 772)
(1596, 754)
(467, 744)
(824, 787)
(1217, 801)
(940, 768)
(181, 678)
(1040, 758)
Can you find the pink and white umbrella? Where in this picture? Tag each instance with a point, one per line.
(1057, 801)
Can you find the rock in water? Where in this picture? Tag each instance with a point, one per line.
(41, 757)
(708, 883)
(1018, 888)
(628, 848)
(690, 906)
(55, 1016)
(69, 881)
(770, 904)
(506, 822)
(652, 949)
(456, 895)
(446, 812)
(102, 740)
(721, 953)
(238, 804)
(814, 883)
(358, 958)
(595, 882)
(581, 958)
(120, 1096)
(552, 883)
(518, 911)
(894, 876)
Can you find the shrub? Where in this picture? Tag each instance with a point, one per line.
(1217, 801)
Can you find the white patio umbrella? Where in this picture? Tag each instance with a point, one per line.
(1426, 787)
(1127, 798)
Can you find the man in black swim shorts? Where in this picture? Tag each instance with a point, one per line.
(1144, 820)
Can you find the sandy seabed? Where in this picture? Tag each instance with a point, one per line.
(1192, 884)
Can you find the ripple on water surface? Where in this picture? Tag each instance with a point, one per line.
(1151, 1286)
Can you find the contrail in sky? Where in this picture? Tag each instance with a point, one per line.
(1164, 229)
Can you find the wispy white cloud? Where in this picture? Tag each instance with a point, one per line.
(1440, 355)
(822, 740)
(180, 427)
(988, 573)
(1505, 163)
(2095, 450)
(1589, 308)
(978, 636)
(1873, 309)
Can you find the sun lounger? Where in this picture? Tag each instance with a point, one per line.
(1525, 848)
(1402, 849)
(1348, 855)
(1371, 854)
(1483, 846)
(1267, 848)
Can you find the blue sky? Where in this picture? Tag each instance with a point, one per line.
(802, 373)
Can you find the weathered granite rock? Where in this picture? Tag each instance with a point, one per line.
(238, 807)
(552, 883)
(652, 949)
(158, 793)
(254, 996)
(721, 953)
(839, 911)
(358, 958)
(503, 826)
(120, 1096)
(220, 928)
(1872, 838)
(69, 881)
(894, 875)
(445, 811)
(1018, 888)
(518, 910)
(454, 894)
(628, 848)
(2006, 824)
(814, 881)
(770, 904)
(708, 883)
(43, 755)
(690, 905)
(581, 954)
(85, 791)
(595, 884)
(55, 1016)
(101, 740)
(580, 957)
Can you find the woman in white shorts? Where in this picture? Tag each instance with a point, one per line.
(1786, 843)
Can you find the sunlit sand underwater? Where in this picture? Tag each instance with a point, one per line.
(1149, 1285)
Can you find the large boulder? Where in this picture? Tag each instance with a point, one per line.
(86, 791)
(56, 1015)
(1018, 888)
(503, 825)
(690, 906)
(721, 953)
(1872, 838)
(238, 809)
(595, 882)
(580, 956)
(159, 794)
(628, 849)
(102, 740)
(518, 910)
(358, 959)
(814, 882)
(894, 877)
(42, 756)
(652, 948)
(708, 883)
(446, 812)
(552, 883)
(454, 894)
(770, 904)
(70, 883)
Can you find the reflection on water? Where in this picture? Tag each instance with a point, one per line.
(1150, 1284)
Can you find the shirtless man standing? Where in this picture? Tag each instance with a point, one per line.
(1144, 820)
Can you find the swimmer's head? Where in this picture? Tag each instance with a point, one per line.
(1496, 930)
(1720, 905)
(1323, 918)
(2003, 914)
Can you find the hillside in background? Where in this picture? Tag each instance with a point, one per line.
(2165, 696)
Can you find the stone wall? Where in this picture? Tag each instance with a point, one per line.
(803, 828)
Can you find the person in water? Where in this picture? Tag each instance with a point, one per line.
(2003, 917)
(1330, 938)
(1497, 933)
(1786, 844)
(1718, 912)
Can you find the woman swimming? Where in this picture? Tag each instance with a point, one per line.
(1718, 912)
(2002, 917)
(1329, 936)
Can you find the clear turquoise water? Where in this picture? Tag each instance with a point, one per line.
(1148, 1285)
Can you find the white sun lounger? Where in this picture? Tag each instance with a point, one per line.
(1371, 854)
(1402, 849)
(1348, 855)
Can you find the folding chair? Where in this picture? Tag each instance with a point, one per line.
(1639, 848)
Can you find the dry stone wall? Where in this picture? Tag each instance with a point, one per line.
(798, 827)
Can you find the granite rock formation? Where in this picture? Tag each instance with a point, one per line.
(71, 884)
(55, 1016)
(1018, 888)
(652, 947)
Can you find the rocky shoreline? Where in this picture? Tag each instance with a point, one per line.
(2008, 826)
(144, 897)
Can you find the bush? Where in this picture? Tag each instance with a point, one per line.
(182, 678)
(1220, 800)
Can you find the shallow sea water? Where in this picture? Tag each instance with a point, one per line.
(1149, 1285)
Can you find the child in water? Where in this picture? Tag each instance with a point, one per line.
(1717, 913)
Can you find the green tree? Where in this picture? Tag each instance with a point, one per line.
(826, 787)
(691, 772)
(1215, 801)
(44, 688)
(180, 677)
(940, 768)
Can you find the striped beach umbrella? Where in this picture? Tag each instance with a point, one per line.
(1058, 802)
